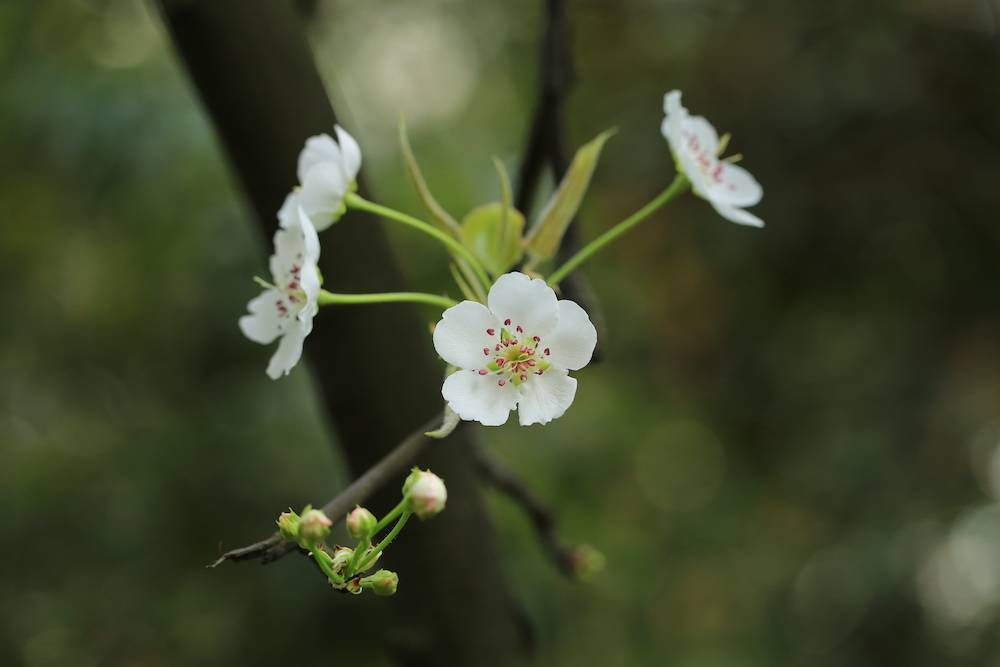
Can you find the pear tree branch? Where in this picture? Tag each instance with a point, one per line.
(391, 465)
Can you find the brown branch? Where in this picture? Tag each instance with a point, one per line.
(394, 463)
(566, 557)
(545, 147)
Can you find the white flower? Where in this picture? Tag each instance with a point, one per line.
(515, 353)
(695, 145)
(287, 308)
(327, 171)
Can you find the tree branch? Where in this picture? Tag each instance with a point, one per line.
(545, 147)
(392, 464)
(503, 479)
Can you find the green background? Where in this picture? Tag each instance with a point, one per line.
(790, 453)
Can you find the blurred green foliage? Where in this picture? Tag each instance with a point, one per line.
(790, 453)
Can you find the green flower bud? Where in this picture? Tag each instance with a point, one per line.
(313, 527)
(360, 523)
(382, 582)
(587, 562)
(426, 493)
(288, 525)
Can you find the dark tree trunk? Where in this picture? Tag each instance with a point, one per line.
(252, 68)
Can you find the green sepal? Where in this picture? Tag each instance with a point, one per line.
(546, 235)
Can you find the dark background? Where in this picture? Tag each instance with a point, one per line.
(789, 455)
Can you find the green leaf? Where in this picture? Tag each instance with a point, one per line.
(546, 235)
(440, 216)
(492, 233)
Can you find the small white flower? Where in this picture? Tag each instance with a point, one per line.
(327, 170)
(287, 308)
(515, 353)
(727, 187)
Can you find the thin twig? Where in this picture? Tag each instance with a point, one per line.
(503, 479)
(392, 464)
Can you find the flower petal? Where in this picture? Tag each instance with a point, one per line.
(294, 246)
(460, 336)
(322, 193)
(319, 149)
(480, 398)
(572, 341)
(288, 212)
(263, 324)
(289, 351)
(737, 215)
(737, 186)
(350, 153)
(545, 397)
(701, 135)
(524, 301)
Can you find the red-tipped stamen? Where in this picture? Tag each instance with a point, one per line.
(490, 332)
(506, 322)
(483, 372)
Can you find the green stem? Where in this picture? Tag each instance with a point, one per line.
(679, 185)
(356, 557)
(387, 540)
(320, 557)
(327, 298)
(390, 517)
(354, 200)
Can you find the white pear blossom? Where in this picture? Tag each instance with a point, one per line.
(729, 188)
(514, 353)
(286, 309)
(327, 170)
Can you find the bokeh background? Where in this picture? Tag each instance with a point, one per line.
(790, 453)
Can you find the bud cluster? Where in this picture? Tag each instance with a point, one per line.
(424, 495)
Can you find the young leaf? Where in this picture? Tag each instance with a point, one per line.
(440, 216)
(492, 233)
(546, 235)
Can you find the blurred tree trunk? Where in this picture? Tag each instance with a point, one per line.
(254, 72)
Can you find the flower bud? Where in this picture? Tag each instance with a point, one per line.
(288, 525)
(427, 493)
(383, 582)
(313, 527)
(360, 523)
(587, 562)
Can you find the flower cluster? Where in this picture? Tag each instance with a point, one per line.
(424, 495)
(512, 341)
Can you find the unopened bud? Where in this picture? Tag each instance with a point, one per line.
(587, 562)
(360, 523)
(383, 582)
(313, 527)
(288, 525)
(426, 492)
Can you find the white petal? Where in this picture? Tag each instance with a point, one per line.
(672, 104)
(322, 193)
(572, 341)
(350, 153)
(289, 351)
(527, 302)
(319, 149)
(288, 212)
(705, 138)
(676, 115)
(736, 186)
(460, 336)
(737, 215)
(545, 397)
(263, 324)
(480, 398)
(295, 246)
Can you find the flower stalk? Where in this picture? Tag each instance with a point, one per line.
(354, 200)
(326, 298)
(676, 187)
